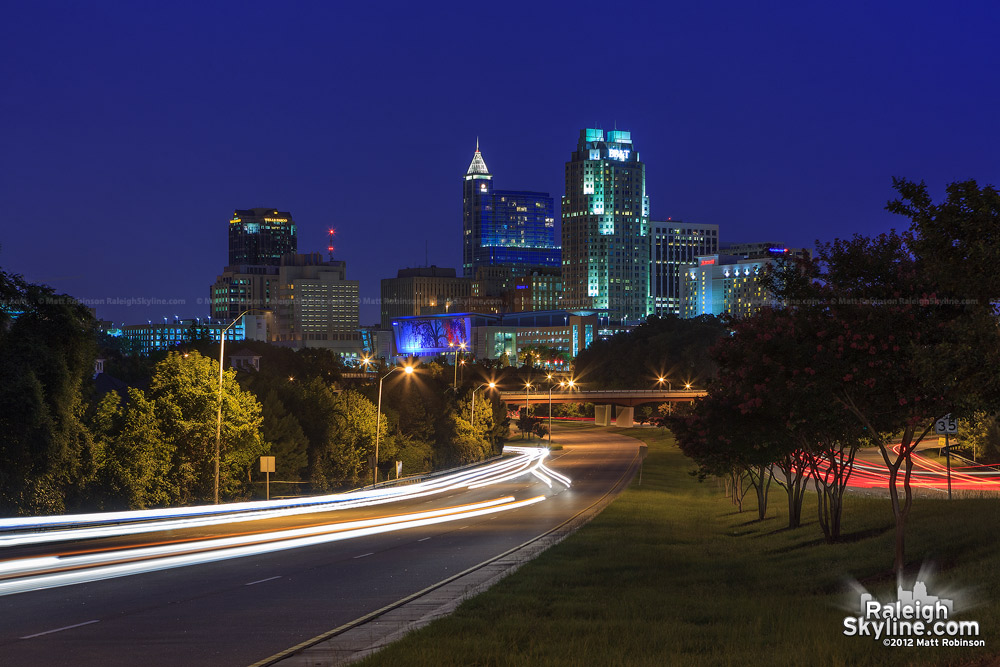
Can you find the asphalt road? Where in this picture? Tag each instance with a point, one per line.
(240, 611)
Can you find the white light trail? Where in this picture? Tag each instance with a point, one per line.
(39, 574)
(111, 524)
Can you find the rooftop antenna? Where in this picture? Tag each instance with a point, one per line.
(329, 245)
(477, 143)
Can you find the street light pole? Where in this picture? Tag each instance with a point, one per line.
(378, 417)
(461, 346)
(550, 408)
(527, 392)
(218, 420)
(472, 417)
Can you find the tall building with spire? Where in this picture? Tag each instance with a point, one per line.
(605, 227)
(513, 229)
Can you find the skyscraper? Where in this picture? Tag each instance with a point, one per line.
(675, 247)
(260, 236)
(511, 228)
(605, 227)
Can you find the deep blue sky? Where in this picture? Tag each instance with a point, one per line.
(131, 130)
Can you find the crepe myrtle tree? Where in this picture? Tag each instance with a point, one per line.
(884, 334)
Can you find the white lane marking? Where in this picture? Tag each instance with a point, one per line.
(68, 627)
(423, 539)
(260, 581)
(370, 553)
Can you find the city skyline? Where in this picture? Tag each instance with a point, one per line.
(135, 131)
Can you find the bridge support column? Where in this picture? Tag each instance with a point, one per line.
(624, 417)
(602, 415)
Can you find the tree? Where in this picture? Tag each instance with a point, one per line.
(661, 346)
(909, 337)
(980, 432)
(288, 442)
(184, 389)
(47, 357)
(132, 458)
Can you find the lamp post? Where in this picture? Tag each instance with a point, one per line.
(551, 384)
(461, 347)
(660, 381)
(378, 416)
(472, 417)
(527, 393)
(218, 421)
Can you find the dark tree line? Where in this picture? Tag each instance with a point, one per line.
(670, 347)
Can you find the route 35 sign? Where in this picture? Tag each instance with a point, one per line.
(947, 425)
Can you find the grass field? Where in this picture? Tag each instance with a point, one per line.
(672, 574)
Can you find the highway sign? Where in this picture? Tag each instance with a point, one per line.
(947, 425)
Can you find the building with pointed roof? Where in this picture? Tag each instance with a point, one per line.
(505, 228)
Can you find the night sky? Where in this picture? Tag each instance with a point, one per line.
(132, 130)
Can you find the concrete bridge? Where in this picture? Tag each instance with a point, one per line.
(612, 406)
(624, 397)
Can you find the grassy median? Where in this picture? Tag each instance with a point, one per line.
(671, 573)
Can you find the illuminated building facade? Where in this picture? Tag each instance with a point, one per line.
(260, 237)
(494, 337)
(675, 247)
(542, 290)
(510, 228)
(605, 227)
(731, 283)
(241, 288)
(157, 336)
(317, 306)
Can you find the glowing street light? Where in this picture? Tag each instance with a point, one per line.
(472, 417)
(661, 380)
(458, 348)
(527, 392)
(378, 416)
(562, 383)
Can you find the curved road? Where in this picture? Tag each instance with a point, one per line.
(243, 610)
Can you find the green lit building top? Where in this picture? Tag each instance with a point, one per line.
(605, 227)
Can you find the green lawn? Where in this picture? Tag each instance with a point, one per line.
(670, 573)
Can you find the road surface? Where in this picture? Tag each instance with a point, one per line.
(242, 610)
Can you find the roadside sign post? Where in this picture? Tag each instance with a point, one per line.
(267, 467)
(947, 426)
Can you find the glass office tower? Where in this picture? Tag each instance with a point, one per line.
(511, 228)
(605, 227)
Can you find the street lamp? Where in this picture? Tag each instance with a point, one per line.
(661, 380)
(460, 347)
(527, 392)
(551, 384)
(472, 417)
(378, 416)
(218, 421)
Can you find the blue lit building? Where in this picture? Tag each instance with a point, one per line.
(509, 228)
(497, 336)
(154, 336)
